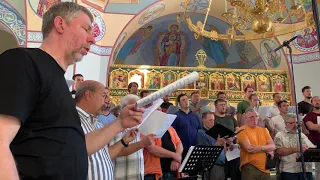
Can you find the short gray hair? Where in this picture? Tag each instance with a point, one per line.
(85, 86)
(288, 116)
(126, 98)
(66, 10)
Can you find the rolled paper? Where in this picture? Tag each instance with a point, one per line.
(180, 83)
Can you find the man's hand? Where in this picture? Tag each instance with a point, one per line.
(304, 148)
(230, 140)
(148, 140)
(231, 147)
(130, 116)
(177, 157)
(220, 141)
(271, 153)
(174, 166)
(130, 135)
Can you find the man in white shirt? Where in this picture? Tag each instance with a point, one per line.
(276, 123)
(287, 144)
(277, 97)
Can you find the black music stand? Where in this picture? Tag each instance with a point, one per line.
(200, 159)
(311, 155)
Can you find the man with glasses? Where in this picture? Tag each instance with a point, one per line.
(90, 97)
(255, 142)
(288, 149)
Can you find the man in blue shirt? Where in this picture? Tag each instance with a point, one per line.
(217, 172)
(186, 124)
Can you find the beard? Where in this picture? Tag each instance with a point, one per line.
(317, 107)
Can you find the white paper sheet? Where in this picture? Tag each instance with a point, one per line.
(69, 83)
(264, 112)
(292, 109)
(157, 123)
(204, 102)
(172, 109)
(150, 110)
(180, 83)
(234, 154)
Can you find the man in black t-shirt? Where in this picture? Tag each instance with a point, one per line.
(78, 79)
(305, 106)
(166, 104)
(40, 132)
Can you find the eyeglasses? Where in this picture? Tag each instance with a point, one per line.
(290, 122)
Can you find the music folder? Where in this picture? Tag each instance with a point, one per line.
(219, 129)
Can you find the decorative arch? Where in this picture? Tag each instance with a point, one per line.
(14, 22)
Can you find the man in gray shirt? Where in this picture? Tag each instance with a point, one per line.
(195, 108)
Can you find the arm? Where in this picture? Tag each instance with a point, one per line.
(147, 140)
(115, 150)
(239, 119)
(179, 148)
(9, 127)
(96, 140)
(163, 153)
(312, 126)
(286, 151)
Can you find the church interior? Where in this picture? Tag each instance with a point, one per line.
(156, 42)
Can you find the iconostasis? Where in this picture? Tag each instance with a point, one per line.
(212, 80)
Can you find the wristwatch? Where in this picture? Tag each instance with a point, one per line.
(262, 148)
(124, 143)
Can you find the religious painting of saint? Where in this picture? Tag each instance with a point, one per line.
(202, 82)
(217, 82)
(171, 47)
(306, 40)
(216, 50)
(168, 78)
(233, 82)
(138, 77)
(248, 81)
(183, 74)
(119, 79)
(263, 83)
(151, 13)
(134, 42)
(153, 80)
(270, 57)
(117, 47)
(41, 6)
(278, 84)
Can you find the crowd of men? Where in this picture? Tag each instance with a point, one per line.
(48, 133)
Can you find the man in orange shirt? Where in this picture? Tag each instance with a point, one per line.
(255, 142)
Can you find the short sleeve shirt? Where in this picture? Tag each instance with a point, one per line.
(50, 143)
(314, 135)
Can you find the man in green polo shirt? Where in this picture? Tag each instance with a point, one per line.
(243, 105)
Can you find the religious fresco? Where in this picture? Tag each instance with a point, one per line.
(196, 5)
(211, 81)
(127, 6)
(165, 42)
(98, 25)
(41, 6)
(117, 47)
(97, 4)
(270, 57)
(151, 13)
(306, 40)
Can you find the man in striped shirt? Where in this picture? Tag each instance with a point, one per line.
(90, 98)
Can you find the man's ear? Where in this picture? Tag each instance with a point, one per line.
(59, 24)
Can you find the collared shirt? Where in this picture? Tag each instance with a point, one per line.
(129, 167)
(277, 124)
(187, 126)
(106, 119)
(288, 163)
(274, 110)
(100, 164)
(206, 140)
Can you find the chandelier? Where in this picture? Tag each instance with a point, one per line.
(255, 19)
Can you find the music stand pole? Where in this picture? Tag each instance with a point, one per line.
(287, 45)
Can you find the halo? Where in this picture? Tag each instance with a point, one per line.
(174, 23)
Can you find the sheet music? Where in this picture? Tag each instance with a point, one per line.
(150, 110)
(180, 83)
(204, 102)
(234, 154)
(172, 109)
(157, 123)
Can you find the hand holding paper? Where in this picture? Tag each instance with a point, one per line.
(204, 102)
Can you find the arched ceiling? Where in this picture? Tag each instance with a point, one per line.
(19, 6)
